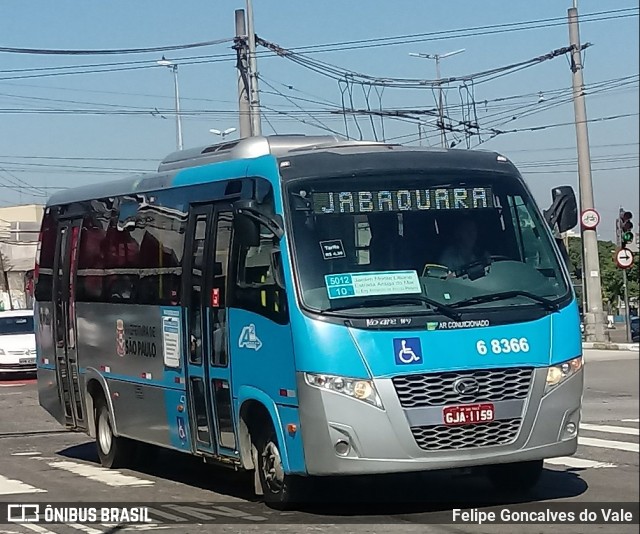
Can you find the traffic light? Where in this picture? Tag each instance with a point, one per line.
(626, 227)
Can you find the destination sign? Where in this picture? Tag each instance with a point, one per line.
(377, 201)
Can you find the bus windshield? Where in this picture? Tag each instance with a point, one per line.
(421, 243)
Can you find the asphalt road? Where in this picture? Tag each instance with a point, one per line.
(41, 463)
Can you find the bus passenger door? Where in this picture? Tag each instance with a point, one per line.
(208, 376)
(219, 364)
(198, 245)
(64, 317)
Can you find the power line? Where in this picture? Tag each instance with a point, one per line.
(625, 167)
(75, 158)
(549, 149)
(463, 32)
(110, 51)
(409, 138)
(341, 46)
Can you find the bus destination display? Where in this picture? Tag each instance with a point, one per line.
(377, 201)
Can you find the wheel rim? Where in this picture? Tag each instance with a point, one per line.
(105, 436)
(272, 470)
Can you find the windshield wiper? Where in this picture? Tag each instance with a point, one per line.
(413, 299)
(546, 303)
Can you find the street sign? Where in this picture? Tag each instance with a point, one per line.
(624, 258)
(590, 218)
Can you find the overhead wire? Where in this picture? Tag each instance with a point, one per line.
(111, 51)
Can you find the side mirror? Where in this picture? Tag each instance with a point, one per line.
(563, 212)
(245, 228)
(247, 213)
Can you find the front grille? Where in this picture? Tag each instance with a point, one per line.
(17, 366)
(437, 389)
(443, 437)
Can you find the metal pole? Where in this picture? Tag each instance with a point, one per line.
(594, 318)
(178, 118)
(254, 96)
(244, 109)
(443, 137)
(627, 316)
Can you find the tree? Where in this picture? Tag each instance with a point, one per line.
(610, 273)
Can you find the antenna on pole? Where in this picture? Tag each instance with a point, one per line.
(438, 57)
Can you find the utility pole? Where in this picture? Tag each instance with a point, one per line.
(438, 57)
(174, 68)
(254, 95)
(627, 311)
(244, 109)
(594, 317)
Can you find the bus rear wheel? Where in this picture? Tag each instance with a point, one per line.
(516, 477)
(113, 451)
(280, 490)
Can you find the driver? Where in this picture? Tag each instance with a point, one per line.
(462, 247)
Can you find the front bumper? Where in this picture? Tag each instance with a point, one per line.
(382, 441)
(17, 367)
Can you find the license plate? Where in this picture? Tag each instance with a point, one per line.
(468, 414)
(27, 361)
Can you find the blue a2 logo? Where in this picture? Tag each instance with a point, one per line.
(407, 350)
(249, 339)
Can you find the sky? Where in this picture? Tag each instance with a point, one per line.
(71, 119)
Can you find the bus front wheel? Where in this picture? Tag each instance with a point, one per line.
(280, 490)
(113, 451)
(517, 477)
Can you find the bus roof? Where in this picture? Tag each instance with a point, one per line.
(246, 148)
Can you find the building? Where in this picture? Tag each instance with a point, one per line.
(19, 230)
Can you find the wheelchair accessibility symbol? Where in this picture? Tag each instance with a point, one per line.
(407, 350)
(182, 432)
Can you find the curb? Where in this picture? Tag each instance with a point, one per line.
(611, 346)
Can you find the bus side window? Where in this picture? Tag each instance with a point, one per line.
(256, 289)
(219, 288)
(197, 289)
(48, 234)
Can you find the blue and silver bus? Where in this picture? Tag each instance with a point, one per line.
(303, 306)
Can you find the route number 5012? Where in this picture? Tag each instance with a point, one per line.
(503, 346)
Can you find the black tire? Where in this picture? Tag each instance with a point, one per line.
(113, 451)
(280, 490)
(517, 477)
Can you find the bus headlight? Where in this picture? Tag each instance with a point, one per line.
(356, 388)
(556, 374)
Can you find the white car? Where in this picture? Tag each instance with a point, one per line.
(17, 342)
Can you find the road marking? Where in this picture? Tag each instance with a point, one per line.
(9, 486)
(631, 420)
(36, 528)
(11, 385)
(609, 444)
(26, 453)
(100, 474)
(578, 463)
(84, 528)
(146, 526)
(611, 429)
